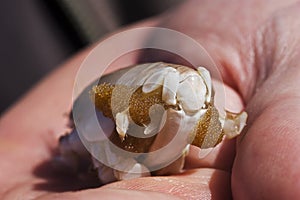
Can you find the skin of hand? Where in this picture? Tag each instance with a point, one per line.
(255, 45)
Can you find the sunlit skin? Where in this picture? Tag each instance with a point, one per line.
(255, 44)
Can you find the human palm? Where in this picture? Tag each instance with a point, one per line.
(255, 45)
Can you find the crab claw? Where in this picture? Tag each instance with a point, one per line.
(158, 117)
(192, 91)
(122, 123)
(168, 78)
(234, 123)
(204, 73)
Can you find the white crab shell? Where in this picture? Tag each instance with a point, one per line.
(189, 89)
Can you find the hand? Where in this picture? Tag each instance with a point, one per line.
(255, 46)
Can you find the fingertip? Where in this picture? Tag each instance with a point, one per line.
(220, 157)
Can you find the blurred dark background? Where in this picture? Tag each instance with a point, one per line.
(37, 35)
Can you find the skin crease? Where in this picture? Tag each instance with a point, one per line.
(255, 44)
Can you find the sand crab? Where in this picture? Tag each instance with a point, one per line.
(150, 114)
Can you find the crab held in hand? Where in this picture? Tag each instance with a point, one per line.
(140, 121)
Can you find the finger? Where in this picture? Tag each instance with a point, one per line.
(32, 190)
(221, 157)
(193, 184)
(267, 164)
(108, 194)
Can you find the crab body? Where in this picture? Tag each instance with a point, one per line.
(153, 110)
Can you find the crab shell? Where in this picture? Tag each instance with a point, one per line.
(146, 108)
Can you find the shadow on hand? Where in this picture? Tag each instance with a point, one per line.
(59, 178)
